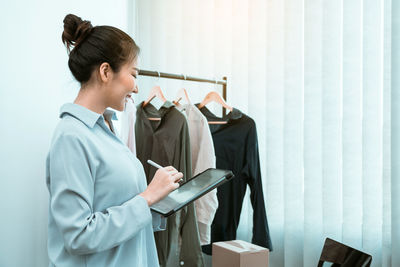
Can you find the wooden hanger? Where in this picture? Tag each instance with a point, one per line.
(182, 93)
(155, 92)
(214, 96)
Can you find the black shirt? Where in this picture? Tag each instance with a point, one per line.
(236, 149)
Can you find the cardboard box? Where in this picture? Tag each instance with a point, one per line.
(238, 253)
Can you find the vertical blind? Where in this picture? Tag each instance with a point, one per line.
(319, 78)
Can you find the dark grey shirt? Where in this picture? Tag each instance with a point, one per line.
(166, 142)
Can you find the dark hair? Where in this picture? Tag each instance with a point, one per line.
(89, 47)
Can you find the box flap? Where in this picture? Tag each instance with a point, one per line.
(240, 246)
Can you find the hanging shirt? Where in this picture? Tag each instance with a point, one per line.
(167, 142)
(203, 157)
(128, 119)
(96, 217)
(236, 149)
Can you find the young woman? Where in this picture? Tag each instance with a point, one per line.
(99, 211)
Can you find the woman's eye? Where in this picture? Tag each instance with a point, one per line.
(134, 76)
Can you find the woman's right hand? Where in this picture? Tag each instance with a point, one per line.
(165, 181)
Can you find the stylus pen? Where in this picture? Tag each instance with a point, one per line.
(152, 163)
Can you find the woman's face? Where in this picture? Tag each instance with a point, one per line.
(123, 85)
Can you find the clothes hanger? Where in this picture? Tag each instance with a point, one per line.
(182, 93)
(155, 92)
(215, 97)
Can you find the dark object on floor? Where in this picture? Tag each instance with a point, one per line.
(343, 256)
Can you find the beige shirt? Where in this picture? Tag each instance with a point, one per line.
(128, 119)
(203, 157)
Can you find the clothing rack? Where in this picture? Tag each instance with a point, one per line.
(158, 74)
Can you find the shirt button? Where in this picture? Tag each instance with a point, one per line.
(182, 263)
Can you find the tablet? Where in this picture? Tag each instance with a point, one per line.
(191, 190)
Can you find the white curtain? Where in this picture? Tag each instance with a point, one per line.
(319, 78)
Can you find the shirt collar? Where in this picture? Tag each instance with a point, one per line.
(85, 115)
(233, 115)
(167, 104)
(150, 111)
(110, 115)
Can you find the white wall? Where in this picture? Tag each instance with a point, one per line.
(35, 82)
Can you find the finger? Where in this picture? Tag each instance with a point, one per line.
(176, 185)
(169, 168)
(178, 176)
(173, 172)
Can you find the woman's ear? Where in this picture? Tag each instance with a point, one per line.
(105, 72)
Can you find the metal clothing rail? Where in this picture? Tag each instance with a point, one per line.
(158, 74)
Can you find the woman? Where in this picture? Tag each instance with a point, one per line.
(99, 202)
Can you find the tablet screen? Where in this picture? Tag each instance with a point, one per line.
(191, 190)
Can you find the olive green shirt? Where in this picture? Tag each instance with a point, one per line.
(166, 142)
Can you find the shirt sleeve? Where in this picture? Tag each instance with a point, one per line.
(159, 222)
(207, 205)
(252, 173)
(190, 252)
(71, 202)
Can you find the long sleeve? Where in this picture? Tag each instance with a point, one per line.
(207, 205)
(252, 175)
(190, 249)
(72, 186)
(159, 222)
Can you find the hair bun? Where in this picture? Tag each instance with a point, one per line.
(75, 30)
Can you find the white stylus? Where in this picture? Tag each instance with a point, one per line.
(152, 163)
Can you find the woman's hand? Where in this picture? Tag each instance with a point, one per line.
(165, 181)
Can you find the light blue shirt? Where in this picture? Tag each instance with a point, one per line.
(96, 217)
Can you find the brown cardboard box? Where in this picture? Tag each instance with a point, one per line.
(238, 253)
